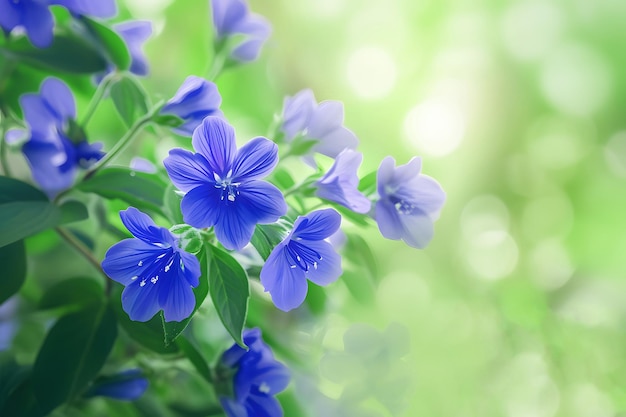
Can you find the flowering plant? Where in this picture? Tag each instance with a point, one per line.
(188, 254)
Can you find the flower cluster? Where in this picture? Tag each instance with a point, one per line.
(231, 199)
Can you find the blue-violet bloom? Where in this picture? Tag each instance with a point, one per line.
(232, 17)
(31, 15)
(56, 146)
(196, 99)
(103, 9)
(258, 378)
(322, 122)
(128, 385)
(135, 33)
(340, 184)
(223, 185)
(157, 273)
(409, 202)
(303, 254)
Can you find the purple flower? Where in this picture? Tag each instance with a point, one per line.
(223, 184)
(232, 17)
(128, 385)
(135, 33)
(409, 202)
(31, 15)
(196, 99)
(36, 19)
(302, 255)
(257, 379)
(100, 8)
(158, 275)
(341, 181)
(302, 116)
(56, 146)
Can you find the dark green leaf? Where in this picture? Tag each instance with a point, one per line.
(24, 211)
(171, 202)
(13, 260)
(130, 99)
(67, 53)
(111, 42)
(21, 401)
(228, 285)
(72, 355)
(171, 329)
(11, 376)
(148, 334)
(196, 358)
(139, 189)
(266, 237)
(76, 292)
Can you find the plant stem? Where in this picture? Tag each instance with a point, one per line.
(83, 250)
(102, 89)
(124, 141)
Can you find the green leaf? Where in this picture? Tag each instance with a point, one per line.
(13, 260)
(139, 189)
(282, 179)
(266, 237)
(129, 99)
(171, 203)
(168, 120)
(67, 53)
(11, 376)
(196, 358)
(301, 146)
(25, 211)
(112, 43)
(356, 218)
(172, 329)
(228, 285)
(76, 292)
(367, 185)
(358, 252)
(148, 334)
(72, 354)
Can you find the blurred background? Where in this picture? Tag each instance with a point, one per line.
(518, 306)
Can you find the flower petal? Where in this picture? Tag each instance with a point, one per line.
(329, 267)
(200, 206)
(235, 226)
(215, 140)
(187, 170)
(230, 406)
(297, 111)
(317, 225)
(388, 221)
(176, 297)
(408, 171)
(9, 15)
(255, 160)
(141, 303)
(135, 33)
(141, 225)
(384, 175)
(418, 230)
(41, 156)
(37, 20)
(122, 261)
(327, 117)
(59, 99)
(227, 14)
(427, 194)
(191, 272)
(336, 141)
(263, 406)
(101, 8)
(262, 201)
(286, 285)
(41, 121)
(195, 95)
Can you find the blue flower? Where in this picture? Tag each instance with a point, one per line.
(56, 146)
(223, 184)
(128, 385)
(232, 17)
(302, 255)
(196, 99)
(135, 33)
(409, 202)
(158, 275)
(341, 181)
(36, 19)
(258, 378)
(302, 116)
(31, 15)
(100, 8)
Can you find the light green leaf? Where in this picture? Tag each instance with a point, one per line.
(129, 99)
